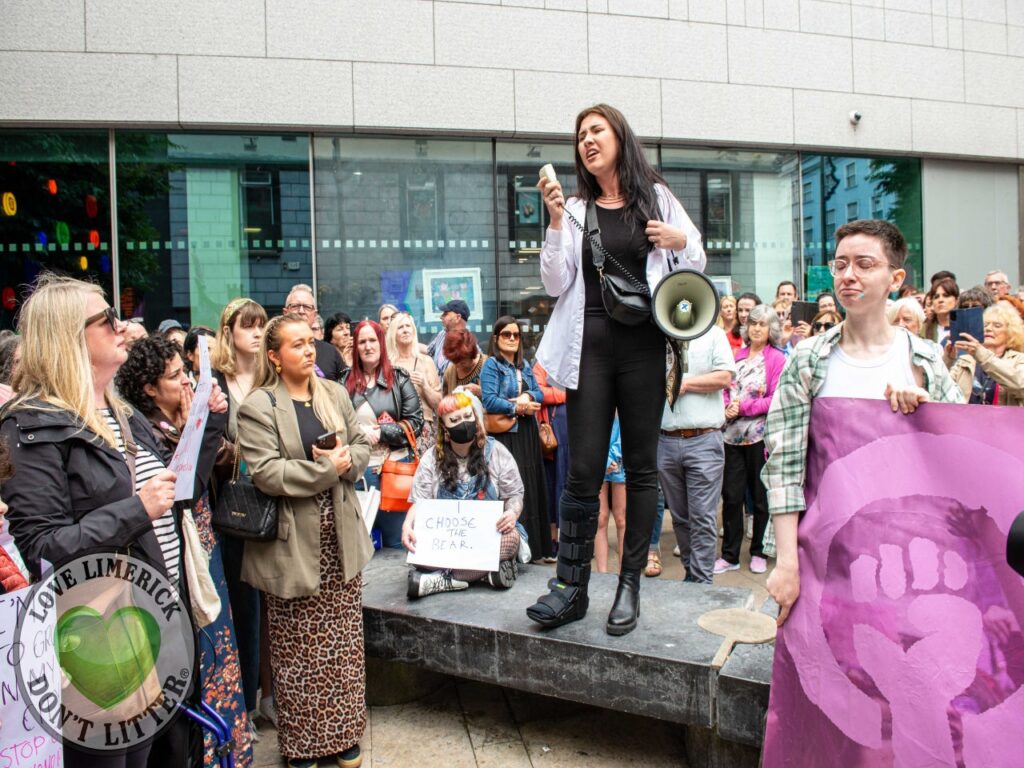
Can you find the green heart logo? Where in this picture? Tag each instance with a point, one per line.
(107, 660)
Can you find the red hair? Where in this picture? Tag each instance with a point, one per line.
(460, 344)
(357, 379)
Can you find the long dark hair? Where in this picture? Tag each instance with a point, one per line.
(447, 460)
(636, 176)
(500, 325)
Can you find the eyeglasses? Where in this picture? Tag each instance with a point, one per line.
(861, 265)
(823, 326)
(299, 308)
(109, 314)
(314, 328)
(509, 335)
(995, 283)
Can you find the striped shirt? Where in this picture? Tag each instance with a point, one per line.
(147, 466)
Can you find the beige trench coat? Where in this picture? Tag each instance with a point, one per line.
(289, 566)
(1007, 371)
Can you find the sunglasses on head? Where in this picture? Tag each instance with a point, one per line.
(109, 314)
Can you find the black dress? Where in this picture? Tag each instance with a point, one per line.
(524, 445)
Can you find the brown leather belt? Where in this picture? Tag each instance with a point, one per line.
(688, 432)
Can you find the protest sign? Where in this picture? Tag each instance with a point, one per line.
(23, 741)
(905, 645)
(187, 453)
(457, 534)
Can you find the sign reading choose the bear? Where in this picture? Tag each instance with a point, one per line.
(457, 534)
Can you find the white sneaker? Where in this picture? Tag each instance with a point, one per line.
(758, 564)
(267, 710)
(675, 551)
(723, 566)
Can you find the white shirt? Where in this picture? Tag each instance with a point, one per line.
(707, 353)
(867, 379)
(561, 273)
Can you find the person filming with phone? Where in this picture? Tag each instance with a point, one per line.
(302, 443)
(991, 371)
(606, 356)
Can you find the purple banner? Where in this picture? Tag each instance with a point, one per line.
(905, 647)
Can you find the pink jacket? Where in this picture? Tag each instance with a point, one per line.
(774, 362)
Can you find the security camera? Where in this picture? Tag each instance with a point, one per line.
(855, 117)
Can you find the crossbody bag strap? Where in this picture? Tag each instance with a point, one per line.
(599, 253)
(131, 448)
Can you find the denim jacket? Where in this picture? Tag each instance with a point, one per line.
(501, 387)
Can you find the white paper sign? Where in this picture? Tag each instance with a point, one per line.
(457, 534)
(23, 741)
(186, 455)
(369, 502)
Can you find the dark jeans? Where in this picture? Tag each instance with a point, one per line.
(245, 612)
(621, 368)
(743, 465)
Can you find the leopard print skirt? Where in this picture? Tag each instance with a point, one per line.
(316, 654)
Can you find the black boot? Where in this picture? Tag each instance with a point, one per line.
(568, 599)
(626, 608)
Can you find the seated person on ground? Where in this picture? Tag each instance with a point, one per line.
(466, 464)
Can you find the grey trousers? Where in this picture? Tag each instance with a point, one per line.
(690, 470)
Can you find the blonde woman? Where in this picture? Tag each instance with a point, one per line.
(72, 488)
(404, 352)
(235, 354)
(992, 371)
(727, 313)
(311, 572)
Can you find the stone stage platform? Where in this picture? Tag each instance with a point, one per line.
(663, 669)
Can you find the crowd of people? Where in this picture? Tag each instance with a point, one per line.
(585, 434)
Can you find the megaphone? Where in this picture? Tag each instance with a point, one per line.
(685, 306)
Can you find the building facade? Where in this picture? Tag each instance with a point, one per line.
(185, 153)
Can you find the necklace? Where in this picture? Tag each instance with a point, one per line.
(462, 380)
(611, 198)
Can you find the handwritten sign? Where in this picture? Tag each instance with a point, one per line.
(457, 534)
(187, 453)
(22, 740)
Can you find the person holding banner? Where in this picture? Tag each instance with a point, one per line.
(466, 464)
(311, 573)
(67, 430)
(864, 357)
(153, 380)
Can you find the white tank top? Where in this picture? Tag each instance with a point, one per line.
(867, 379)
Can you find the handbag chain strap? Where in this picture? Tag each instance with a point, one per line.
(599, 253)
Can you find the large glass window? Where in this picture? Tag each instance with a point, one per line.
(207, 217)
(888, 188)
(745, 206)
(408, 222)
(54, 211)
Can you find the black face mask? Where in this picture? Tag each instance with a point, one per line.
(463, 432)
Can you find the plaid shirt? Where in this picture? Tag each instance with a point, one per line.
(785, 435)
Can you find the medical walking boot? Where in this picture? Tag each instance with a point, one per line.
(568, 601)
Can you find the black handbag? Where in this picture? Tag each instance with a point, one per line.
(626, 299)
(243, 510)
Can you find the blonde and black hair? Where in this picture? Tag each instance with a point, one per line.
(241, 311)
(54, 365)
(267, 376)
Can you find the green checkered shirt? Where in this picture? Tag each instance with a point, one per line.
(785, 434)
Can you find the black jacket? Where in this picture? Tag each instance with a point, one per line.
(400, 402)
(70, 490)
(328, 360)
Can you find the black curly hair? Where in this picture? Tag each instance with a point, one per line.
(146, 363)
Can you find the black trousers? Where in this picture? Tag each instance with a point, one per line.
(621, 368)
(743, 465)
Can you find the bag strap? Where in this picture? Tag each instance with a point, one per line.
(599, 253)
(131, 448)
(407, 428)
(236, 471)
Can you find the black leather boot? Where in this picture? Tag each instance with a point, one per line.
(568, 600)
(626, 608)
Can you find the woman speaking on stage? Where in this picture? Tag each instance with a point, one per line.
(603, 363)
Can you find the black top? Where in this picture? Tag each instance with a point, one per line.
(328, 360)
(310, 427)
(629, 249)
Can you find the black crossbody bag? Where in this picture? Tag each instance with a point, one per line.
(626, 299)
